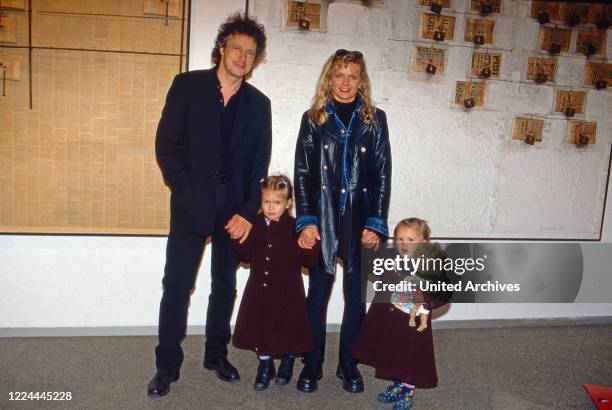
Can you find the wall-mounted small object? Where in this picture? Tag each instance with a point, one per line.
(304, 23)
(554, 39)
(434, 23)
(444, 3)
(555, 48)
(470, 94)
(569, 111)
(590, 49)
(485, 72)
(528, 129)
(305, 15)
(601, 84)
(574, 12)
(583, 140)
(573, 19)
(590, 42)
(485, 64)
(545, 11)
(603, 23)
(436, 7)
(581, 133)
(540, 78)
(570, 102)
(479, 27)
(424, 57)
(543, 17)
(486, 9)
(541, 69)
(598, 74)
(469, 102)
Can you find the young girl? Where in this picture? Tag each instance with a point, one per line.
(397, 349)
(273, 317)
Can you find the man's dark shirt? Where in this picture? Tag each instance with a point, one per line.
(228, 118)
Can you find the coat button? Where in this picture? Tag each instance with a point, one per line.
(365, 189)
(266, 273)
(265, 285)
(267, 258)
(323, 187)
(324, 166)
(342, 131)
(343, 190)
(326, 146)
(363, 149)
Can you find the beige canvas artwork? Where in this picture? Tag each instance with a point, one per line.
(82, 158)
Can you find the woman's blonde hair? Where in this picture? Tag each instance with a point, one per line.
(417, 223)
(324, 94)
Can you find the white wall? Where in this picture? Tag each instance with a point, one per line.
(81, 281)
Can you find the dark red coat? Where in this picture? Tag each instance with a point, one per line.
(273, 317)
(396, 350)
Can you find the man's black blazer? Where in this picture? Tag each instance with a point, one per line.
(186, 145)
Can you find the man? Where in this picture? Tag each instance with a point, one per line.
(213, 147)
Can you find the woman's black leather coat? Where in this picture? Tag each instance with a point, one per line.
(318, 176)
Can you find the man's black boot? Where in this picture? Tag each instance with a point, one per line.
(160, 383)
(223, 368)
(309, 376)
(351, 378)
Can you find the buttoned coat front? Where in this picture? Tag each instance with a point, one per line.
(273, 318)
(319, 159)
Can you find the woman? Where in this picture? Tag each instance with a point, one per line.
(342, 186)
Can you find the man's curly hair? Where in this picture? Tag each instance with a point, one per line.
(240, 24)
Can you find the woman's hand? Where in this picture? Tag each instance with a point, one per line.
(308, 237)
(370, 239)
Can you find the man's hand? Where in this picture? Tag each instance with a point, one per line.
(308, 237)
(370, 239)
(238, 227)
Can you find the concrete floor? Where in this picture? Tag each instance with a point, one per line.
(507, 368)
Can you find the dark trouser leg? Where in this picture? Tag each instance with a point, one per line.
(183, 255)
(354, 313)
(319, 291)
(223, 291)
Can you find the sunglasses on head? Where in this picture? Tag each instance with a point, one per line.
(342, 52)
